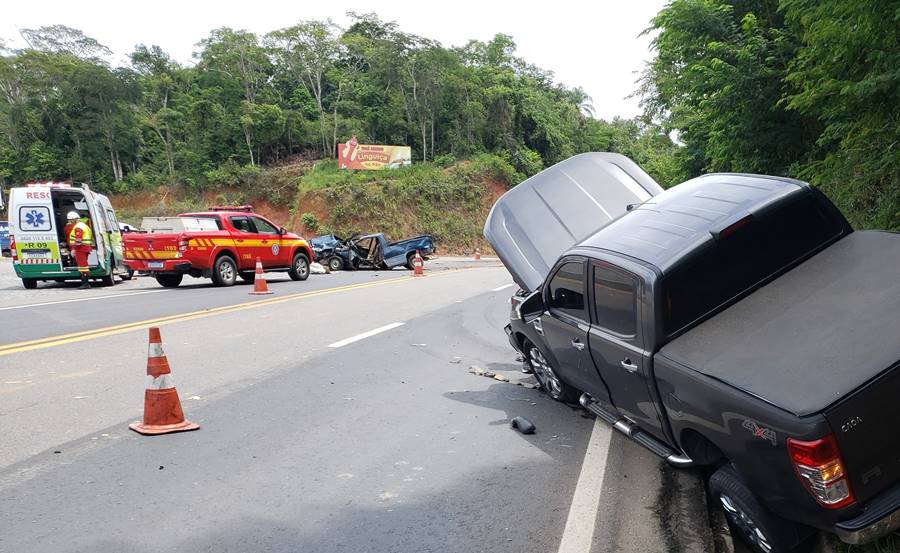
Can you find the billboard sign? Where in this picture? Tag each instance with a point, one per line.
(353, 155)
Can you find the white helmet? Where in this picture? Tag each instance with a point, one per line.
(73, 215)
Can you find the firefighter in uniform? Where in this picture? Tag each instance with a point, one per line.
(81, 242)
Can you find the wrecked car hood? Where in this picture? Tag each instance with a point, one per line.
(534, 223)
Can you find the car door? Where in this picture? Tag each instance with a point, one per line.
(271, 243)
(616, 343)
(245, 240)
(565, 327)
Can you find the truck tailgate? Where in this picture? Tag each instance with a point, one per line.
(151, 246)
(865, 425)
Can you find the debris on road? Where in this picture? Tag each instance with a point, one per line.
(317, 269)
(523, 425)
(456, 360)
(419, 345)
(478, 371)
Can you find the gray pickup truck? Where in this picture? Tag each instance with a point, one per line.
(734, 321)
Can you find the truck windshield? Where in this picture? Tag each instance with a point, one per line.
(732, 265)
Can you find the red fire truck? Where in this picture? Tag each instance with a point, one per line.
(222, 244)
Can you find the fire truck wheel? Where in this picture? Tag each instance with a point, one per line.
(169, 281)
(225, 271)
(247, 276)
(299, 267)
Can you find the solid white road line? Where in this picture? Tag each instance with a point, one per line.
(579, 531)
(92, 298)
(504, 287)
(359, 337)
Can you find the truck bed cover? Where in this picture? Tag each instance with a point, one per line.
(773, 344)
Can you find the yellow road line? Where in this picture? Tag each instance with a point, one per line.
(52, 341)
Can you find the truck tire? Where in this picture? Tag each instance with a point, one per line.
(110, 279)
(409, 261)
(169, 281)
(29, 283)
(749, 521)
(546, 376)
(225, 271)
(248, 276)
(127, 275)
(299, 267)
(335, 263)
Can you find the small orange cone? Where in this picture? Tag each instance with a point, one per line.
(477, 254)
(418, 266)
(260, 286)
(162, 408)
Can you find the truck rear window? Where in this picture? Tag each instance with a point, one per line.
(736, 263)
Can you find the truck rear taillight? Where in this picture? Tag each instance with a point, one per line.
(182, 247)
(819, 466)
(12, 247)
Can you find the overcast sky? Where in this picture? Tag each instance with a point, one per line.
(594, 45)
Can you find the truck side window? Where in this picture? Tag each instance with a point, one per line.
(567, 291)
(263, 226)
(241, 224)
(615, 295)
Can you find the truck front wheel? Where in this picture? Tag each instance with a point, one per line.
(748, 520)
(225, 271)
(169, 281)
(299, 267)
(29, 283)
(547, 377)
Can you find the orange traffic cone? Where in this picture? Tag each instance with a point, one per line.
(260, 286)
(162, 408)
(418, 266)
(477, 254)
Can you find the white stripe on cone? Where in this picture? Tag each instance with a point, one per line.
(161, 382)
(155, 350)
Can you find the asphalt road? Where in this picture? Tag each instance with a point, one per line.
(382, 443)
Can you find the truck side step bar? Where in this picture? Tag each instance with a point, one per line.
(628, 428)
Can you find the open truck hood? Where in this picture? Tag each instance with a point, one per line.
(534, 223)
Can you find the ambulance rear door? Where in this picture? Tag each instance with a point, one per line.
(33, 225)
(101, 230)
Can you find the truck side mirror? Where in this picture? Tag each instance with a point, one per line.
(282, 231)
(531, 307)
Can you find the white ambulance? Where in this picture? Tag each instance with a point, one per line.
(37, 219)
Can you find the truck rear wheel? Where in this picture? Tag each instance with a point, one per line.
(29, 283)
(224, 271)
(749, 521)
(248, 276)
(169, 281)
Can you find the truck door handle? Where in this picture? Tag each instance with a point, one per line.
(628, 365)
(577, 344)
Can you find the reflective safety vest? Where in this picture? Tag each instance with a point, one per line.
(81, 235)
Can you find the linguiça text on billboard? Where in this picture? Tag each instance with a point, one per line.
(353, 155)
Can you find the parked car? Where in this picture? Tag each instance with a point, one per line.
(38, 242)
(370, 251)
(4, 239)
(732, 321)
(222, 244)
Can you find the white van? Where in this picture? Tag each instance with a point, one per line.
(37, 219)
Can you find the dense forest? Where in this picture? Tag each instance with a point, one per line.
(805, 88)
(251, 100)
